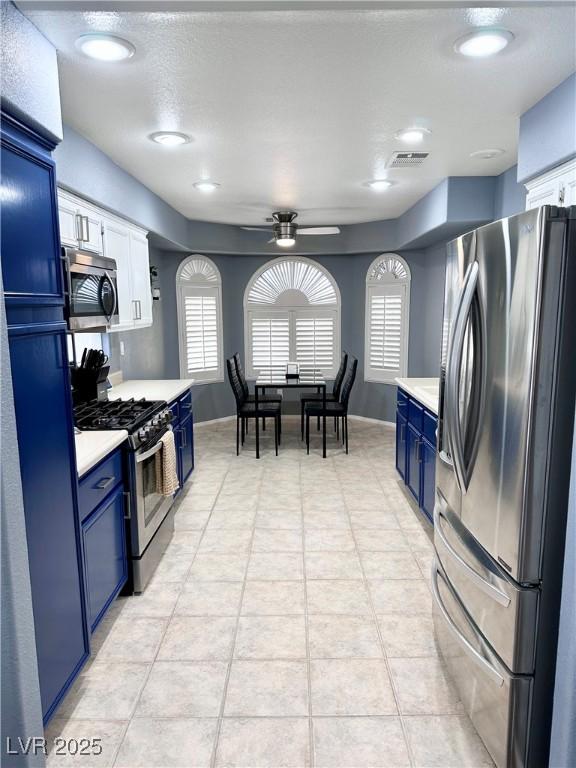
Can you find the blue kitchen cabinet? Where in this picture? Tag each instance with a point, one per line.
(183, 426)
(401, 425)
(416, 451)
(186, 449)
(105, 559)
(427, 478)
(33, 292)
(412, 476)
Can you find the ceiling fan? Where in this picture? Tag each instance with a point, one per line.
(284, 229)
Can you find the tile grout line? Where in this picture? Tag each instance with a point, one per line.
(216, 742)
(311, 745)
(168, 619)
(382, 645)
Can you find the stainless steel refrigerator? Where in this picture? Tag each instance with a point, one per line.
(507, 389)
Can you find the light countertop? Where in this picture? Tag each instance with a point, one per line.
(93, 446)
(426, 391)
(150, 389)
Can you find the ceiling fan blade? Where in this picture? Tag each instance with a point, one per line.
(256, 229)
(318, 230)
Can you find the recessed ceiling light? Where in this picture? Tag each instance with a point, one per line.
(105, 47)
(483, 42)
(285, 242)
(486, 154)
(206, 186)
(412, 135)
(169, 138)
(379, 185)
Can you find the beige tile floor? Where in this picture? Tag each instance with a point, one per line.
(288, 625)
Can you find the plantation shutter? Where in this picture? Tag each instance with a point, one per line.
(270, 337)
(315, 342)
(386, 335)
(201, 332)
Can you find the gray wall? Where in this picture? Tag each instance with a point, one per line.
(510, 197)
(29, 74)
(548, 131)
(153, 352)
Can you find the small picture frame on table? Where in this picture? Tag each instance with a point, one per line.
(292, 371)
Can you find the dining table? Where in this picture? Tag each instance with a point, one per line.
(276, 378)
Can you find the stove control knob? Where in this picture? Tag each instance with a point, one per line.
(156, 421)
(142, 434)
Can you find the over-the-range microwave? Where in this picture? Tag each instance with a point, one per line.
(91, 290)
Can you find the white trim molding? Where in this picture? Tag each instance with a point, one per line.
(386, 319)
(198, 282)
(292, 306)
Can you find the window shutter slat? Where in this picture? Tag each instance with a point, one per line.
(270, 342)
(386, 331)
(201, 334)
(315, 342)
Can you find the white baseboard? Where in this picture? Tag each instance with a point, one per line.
(381, 422)
(214, 421)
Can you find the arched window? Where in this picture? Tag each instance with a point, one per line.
(292, 313)
(386, 319)
(199, 301)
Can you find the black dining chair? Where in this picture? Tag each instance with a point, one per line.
(331, 397)
(246, 410)
(250, 398)
(338, 410)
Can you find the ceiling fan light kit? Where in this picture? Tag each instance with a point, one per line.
(284, 229)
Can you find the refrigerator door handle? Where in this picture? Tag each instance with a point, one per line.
(453, 373)
(489, 589)
(468, 649)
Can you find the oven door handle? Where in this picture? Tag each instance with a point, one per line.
(143, 456)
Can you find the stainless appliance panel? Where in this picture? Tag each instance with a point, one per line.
(457, 259)
(494, 448)
(151, 506)
(497, 702)
(91, 290)
(505, 613)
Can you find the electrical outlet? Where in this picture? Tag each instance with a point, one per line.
(122, 348)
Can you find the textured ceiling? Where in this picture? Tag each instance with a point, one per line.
(297, 109)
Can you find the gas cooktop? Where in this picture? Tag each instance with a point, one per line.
(116, 414)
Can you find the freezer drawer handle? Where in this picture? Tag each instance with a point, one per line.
(481, 583)
(477, 658)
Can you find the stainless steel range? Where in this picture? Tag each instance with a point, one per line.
(151, 518)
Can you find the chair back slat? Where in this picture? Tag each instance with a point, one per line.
(348, 383)
(340, 376)
(240, 373)
(235, 383)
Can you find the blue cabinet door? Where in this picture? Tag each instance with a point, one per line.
(427, 478)
(186, 451)
(412, 476)
(44, 422)
(401, 445)
(105, 561)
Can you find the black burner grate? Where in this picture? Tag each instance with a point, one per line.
(115, 414)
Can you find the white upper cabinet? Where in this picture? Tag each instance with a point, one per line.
(141, 288)
(128, 246)
(556, 187)
(83, 225)
(80, 223)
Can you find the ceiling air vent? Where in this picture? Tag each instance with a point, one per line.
(407, 159)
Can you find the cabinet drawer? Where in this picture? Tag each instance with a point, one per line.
(429, 429)
(97, 484)
(402, 403)
(415, 414)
